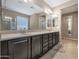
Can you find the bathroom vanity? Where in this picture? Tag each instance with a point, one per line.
(28, 46)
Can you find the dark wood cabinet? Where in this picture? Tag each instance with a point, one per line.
(31, 47)
(36, 46)
(4, 50)
(19, 49)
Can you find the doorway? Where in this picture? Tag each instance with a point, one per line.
(69, 25)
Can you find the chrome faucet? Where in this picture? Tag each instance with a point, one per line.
(22, 30)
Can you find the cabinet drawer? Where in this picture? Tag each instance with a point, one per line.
(50, 38)
(37, 37)
(45, 49)
(53, 34)
(45, 44)
(45, 40)
(50, 45)
(45, 36)
(50, 41)
(50, 35)
(19, 40)
(5, 58)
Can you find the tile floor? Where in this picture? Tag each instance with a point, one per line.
(66, 51)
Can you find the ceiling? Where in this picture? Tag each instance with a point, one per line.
(54, 3)
(21, 6)
(67, 6)
(38, 6)
(70, 9)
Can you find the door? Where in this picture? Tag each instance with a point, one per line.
(69, 26)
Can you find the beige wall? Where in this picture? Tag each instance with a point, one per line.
(74, 25)
(34, 22)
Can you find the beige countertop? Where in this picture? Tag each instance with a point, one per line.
(10, 36)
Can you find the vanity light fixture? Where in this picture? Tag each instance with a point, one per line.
(30, 0)
(55, 15)
(48, 11)
(27, 1)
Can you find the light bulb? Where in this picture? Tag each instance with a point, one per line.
(25, 1)
(30, 0)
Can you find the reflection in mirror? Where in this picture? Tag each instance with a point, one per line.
(49, 23)
(42, 22)
(8, 23)
(69, 25)
(55, 22)
(22, 23)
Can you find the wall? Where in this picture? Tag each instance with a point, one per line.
(58, 12)
(74, 25)
(34, 22)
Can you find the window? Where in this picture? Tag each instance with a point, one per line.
(22, 23)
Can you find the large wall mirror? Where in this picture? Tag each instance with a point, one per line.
(55, 22)
(14, 24)
(52, 21)
(8, 23)
(12, 19)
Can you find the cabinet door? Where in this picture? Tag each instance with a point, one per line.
(19, 48)
(4, 50)
(36, 47)
(57, 37)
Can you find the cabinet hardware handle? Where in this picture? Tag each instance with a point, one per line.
(20, 41)
(5, 56)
